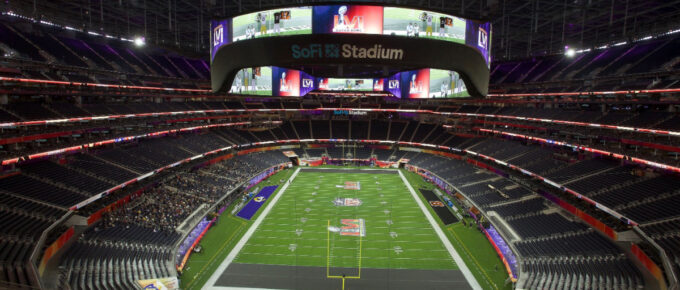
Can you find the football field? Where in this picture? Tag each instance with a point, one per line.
(335, 228)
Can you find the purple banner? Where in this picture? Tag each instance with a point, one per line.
(393, 85)
(220, 35)
(248, 211)
(504, 248)
(307, 83)
(478, 35)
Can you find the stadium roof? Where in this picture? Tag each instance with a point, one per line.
(521, 27)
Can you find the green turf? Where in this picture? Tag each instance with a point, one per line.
(271, 242)
(471, 244)
(296, 231)
(218, 242)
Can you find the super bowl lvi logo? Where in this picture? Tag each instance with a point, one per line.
(307, 83)
(218, 35)
(482, 38)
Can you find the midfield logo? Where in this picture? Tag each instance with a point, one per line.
(347, 202)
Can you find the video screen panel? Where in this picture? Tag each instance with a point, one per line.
(277, 22)
(478, 35)
(335, 84)
(286, 82)
(306, 83)
(394, 85)
(253, 81)
(446, 84)
(415, 84)
(378, 85)
(426, 24)
(219, 36)
(362, 19)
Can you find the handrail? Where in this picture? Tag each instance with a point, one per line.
(667, 264)
(39, 245)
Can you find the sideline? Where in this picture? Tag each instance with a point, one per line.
(445, 240)
(210, 284)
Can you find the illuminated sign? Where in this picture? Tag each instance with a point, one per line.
(317, 50)
(483, 39)
(307, 83)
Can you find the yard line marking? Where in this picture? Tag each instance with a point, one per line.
(473, 258)
(210, 284)
(445, 240)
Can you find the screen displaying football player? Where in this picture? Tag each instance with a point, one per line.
(336, 84)
(419, 23)
(446, 84)
(253, 81)
(284, 21)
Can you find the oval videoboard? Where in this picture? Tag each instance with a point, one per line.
(409, 53)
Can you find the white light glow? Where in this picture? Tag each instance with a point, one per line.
(140, 41)
(570, 52)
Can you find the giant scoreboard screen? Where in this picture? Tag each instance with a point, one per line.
(351, 19)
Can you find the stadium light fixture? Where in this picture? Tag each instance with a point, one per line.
(570, 52)
(140, 41)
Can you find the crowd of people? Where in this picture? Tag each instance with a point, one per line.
(160, 209)
(166, 206)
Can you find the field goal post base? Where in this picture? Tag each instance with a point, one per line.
(328, 258)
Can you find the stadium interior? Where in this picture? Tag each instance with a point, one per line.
(215, 144)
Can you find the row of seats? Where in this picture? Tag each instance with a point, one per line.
(110, 56)
(581, 273)
(557, 253)
(136, 241)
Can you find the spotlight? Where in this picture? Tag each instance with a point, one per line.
(570, 52)
(140, 41)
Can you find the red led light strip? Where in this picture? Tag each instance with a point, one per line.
(564, 122)
(588, 149)
(365, 141)
(50, 82)
(674, 90)
(121, 139)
